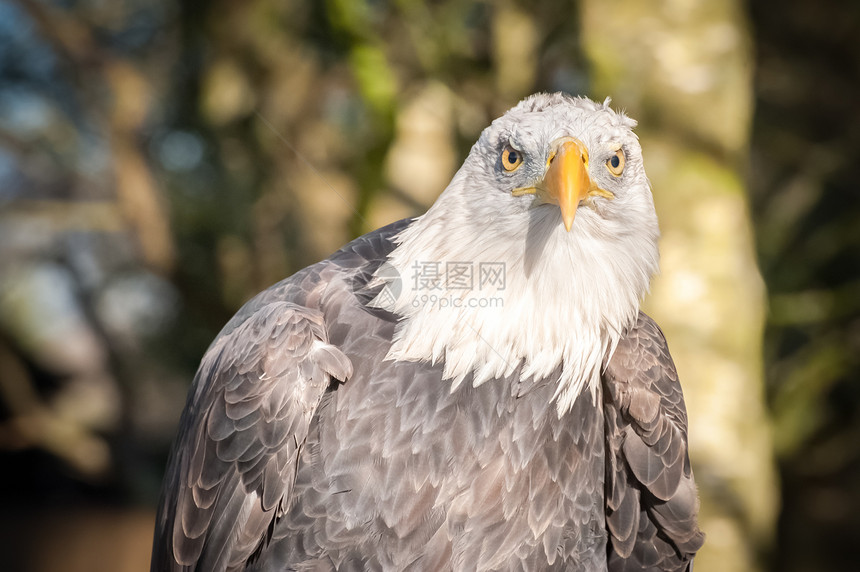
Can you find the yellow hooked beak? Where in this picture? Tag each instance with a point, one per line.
(566, 182)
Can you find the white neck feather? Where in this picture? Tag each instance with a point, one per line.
(566, 299)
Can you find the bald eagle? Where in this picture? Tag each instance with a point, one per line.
(473, 389)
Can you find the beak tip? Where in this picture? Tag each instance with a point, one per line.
(568, 223)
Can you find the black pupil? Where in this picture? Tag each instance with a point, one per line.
(615, 161)
(512, 156)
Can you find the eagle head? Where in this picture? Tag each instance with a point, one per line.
(554, 200)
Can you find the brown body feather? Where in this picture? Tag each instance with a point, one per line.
(302, 449)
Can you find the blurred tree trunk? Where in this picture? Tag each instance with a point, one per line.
(683, 68)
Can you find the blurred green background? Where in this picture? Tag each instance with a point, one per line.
(161, 162)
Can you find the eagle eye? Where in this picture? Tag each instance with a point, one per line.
(615, 164)
(511, 159)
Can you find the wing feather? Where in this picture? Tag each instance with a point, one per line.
(651, 500)
(258, 386)
(255, 393)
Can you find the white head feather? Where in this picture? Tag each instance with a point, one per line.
(567, 297)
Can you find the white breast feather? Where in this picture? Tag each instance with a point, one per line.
(567, 297)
